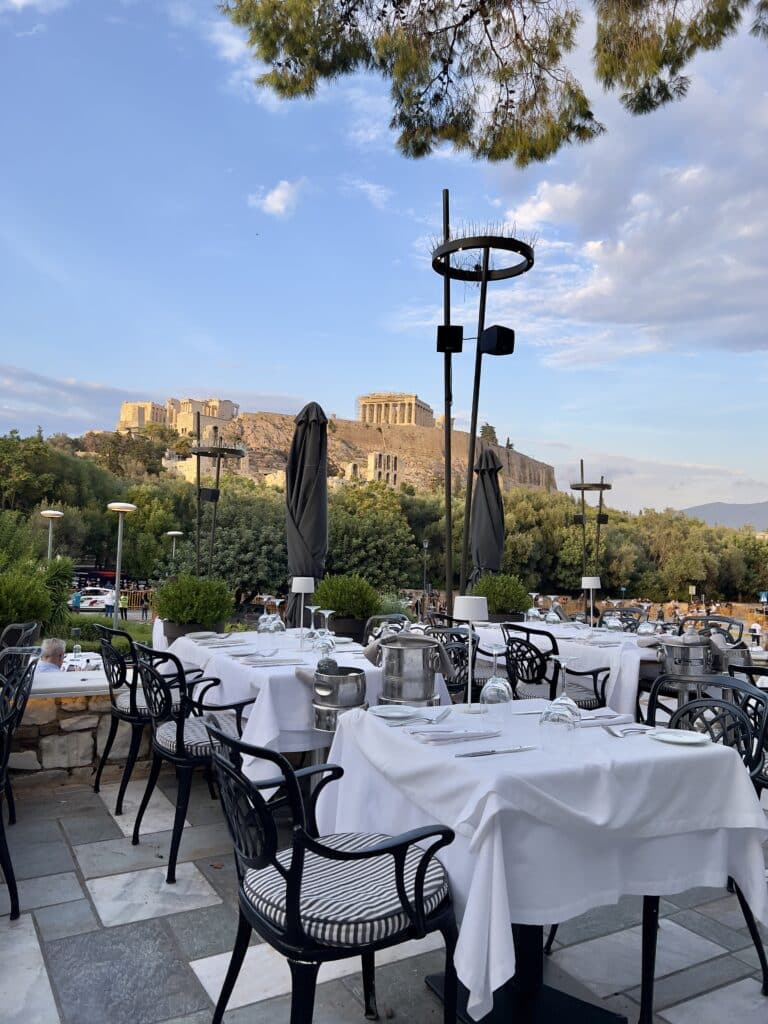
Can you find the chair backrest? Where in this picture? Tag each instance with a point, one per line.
(250, 818)
(165, 686)
(732, 629)
(19, 634)
(547, 641)
(449, 634)
(441, 619)
(525, 663)
(17, 673)
(377, 625)
(724, 723)
(119, 672)
(629, 616)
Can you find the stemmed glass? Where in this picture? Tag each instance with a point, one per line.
(264, 623)
(497, 690)
(326, 613)
(277, 625)
(563, 713)
(311, 633)
(533, 611)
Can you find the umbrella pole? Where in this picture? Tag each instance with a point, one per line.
(447, 425)
(197, 522)
(473, 424)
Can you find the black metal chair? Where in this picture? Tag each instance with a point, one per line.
(17, 671)
(178, 732)
(376, 624)
(19, 634)
(533, 673)
(326, 898)
(733, 629)
(629, 616)
(127, 699)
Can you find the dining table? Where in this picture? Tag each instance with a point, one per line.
(587, 648)
(557, 822)
(264, 666)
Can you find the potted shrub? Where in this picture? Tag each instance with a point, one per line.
(353, 600)
(189, 604)
(506, 595)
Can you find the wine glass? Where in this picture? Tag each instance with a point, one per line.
(562, 717)
(497, 692)
(263, 625)
(311, 633)
(533, 612)
(326, 614)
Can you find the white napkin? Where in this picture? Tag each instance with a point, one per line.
(269, 662)
(438, 734)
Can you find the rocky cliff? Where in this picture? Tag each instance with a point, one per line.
(267, 437)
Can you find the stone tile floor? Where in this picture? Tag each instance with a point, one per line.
(102, 938)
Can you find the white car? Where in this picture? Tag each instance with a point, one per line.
(92, 599)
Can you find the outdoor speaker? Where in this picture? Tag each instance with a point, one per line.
(578, 520)
(450, 339)
(209, 494)
(497, 341)
(602, 518)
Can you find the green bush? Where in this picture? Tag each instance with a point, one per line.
(504, 593)
(187, 599)
(23, 595)
(349, 596)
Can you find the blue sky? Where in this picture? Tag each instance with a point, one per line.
(165, 228)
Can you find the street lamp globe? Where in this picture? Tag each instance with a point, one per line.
(122, 508)
(51, 514)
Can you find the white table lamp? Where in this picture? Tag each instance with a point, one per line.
(591, 583)
(469, 609)
(303, 585)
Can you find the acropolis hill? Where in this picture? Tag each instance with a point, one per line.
(396, 439)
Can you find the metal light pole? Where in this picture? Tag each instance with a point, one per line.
(425, 545)
(122, 508)
(50, 514)
(174, 534)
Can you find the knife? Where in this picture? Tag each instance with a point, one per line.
(487, 753)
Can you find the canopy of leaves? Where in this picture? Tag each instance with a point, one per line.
(489, 76)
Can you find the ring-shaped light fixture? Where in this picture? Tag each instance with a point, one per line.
(442, 266)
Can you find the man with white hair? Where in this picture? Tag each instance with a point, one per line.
(52, 655)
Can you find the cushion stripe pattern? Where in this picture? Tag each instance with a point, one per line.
(196, 741)
(346, 902)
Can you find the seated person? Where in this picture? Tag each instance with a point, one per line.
(52, 655)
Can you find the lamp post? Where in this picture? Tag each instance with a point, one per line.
(469, 609)
(50, 514)
(425, 546)
(122, 508)
(302, 585)
(174, 534)
(623, 592)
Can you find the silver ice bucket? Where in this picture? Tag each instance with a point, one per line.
(409, 664)
(344, 688)
(326, 718)
(680, 658)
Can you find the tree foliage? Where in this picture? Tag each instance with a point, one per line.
(489, 76)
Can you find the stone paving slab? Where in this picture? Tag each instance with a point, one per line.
(118, 855)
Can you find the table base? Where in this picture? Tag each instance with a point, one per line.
(511, 1006)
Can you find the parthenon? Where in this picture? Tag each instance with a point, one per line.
(389, 408)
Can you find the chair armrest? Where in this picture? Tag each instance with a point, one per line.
(396, 847)
(237, 706)
(598, 687)
(332, 773)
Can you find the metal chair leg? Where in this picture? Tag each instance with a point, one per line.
(754, 935)
(151, 781)
(11, 802)
(650, 928)
(105, 753)
(369, 986)
(550, 940)
(182, 802)
(137, 731)
(450, 983)
(236, 962)
(7, 869)
(304, 980)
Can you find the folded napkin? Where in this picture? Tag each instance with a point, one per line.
(604, 716)
(437, 735)
(270, 662)
(306, 676)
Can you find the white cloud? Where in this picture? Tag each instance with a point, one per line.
(36, 30)
(279, 201)
(44, 6)
(550, 204)
(377, 195)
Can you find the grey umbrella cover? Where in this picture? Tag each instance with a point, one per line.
(306, 500)
(487, 522)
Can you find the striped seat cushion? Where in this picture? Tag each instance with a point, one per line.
(196, 739)
(123, 701)
(529, 691)
(346, 903)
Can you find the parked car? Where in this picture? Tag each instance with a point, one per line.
(92, 599)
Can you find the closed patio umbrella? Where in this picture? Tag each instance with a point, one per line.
(306, 500)
(487, 522)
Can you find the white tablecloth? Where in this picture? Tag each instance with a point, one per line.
(282, 717)
(616, 651)
(544, 836)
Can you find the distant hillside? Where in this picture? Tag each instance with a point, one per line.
(722, 513)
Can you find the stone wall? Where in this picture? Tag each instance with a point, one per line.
(67, 734)
(267, 437)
